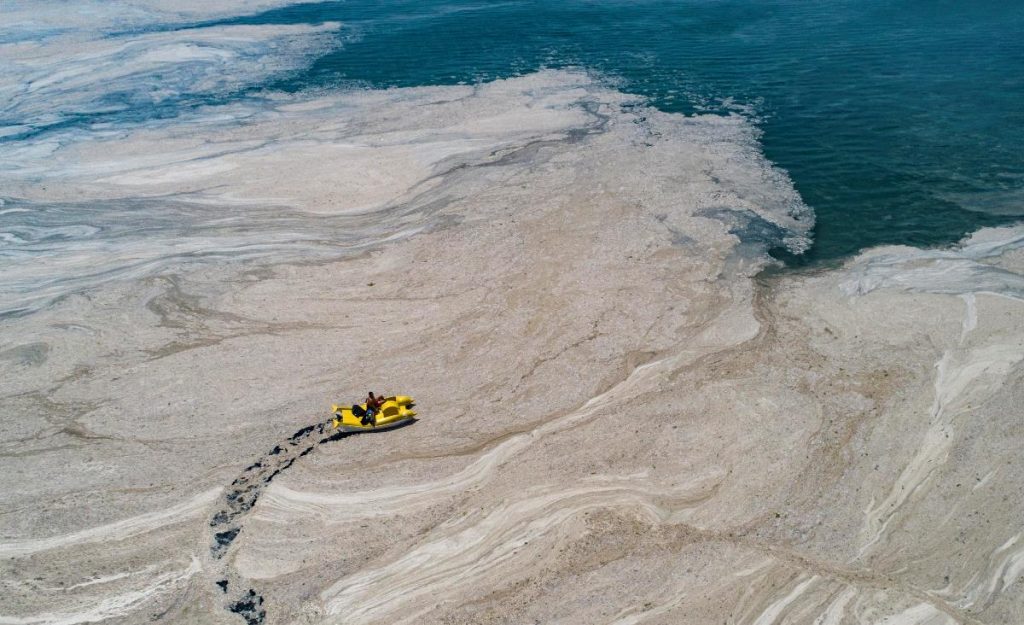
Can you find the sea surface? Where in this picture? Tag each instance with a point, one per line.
(220, 217)
(898, 121)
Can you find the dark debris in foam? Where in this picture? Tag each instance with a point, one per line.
(250, 607)
(228, 521)
(303, 432)
(223, 540)
(246, 489)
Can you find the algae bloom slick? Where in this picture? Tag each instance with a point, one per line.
(713, 312)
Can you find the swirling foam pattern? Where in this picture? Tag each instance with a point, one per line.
(620, 424)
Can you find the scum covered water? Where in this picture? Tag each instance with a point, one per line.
(899, 121)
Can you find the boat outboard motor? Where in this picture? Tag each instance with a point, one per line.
(366, 417)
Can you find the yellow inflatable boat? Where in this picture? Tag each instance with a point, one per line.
(395, 412)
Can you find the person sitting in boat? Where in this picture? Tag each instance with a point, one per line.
(368, 416)
(373, 404)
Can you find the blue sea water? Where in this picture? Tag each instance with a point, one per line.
(898, 121)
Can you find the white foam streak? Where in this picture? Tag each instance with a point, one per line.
(109, 607)
(965, 372)
(220, 194)
(280, 504)
(833, 614)
(772, 613)
(978, 373)
(957, 271)
(1003, 568)
(46, 19)
(467, 549)
(670, 599)
(920, 614)
(970, 321)
(51, 82)
(118, 530)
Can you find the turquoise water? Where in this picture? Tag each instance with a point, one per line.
(899, 122)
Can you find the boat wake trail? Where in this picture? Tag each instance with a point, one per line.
(238, 500)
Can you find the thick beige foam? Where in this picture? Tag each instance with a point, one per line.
(619, 422)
